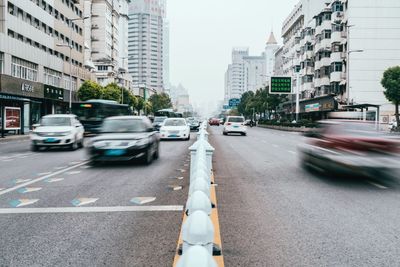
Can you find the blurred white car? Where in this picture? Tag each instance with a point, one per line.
(175, 128)
(61, 130)
(235, 124)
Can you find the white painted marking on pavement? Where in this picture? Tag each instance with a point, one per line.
(73, 172)
(292, 152)
(22, 202)
(83, 201)
(53, 180)
(19, 181)
(25, 190)
(61, 167)
(377, 185)
(91, 209)
(276, 146)
(43, 173)
(39, 179)
(142, 200)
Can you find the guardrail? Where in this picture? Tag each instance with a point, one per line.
(198, 230)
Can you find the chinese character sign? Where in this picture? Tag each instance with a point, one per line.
(280, 85)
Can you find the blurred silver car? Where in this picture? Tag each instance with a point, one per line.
(353, 148)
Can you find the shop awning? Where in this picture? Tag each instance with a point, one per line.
(15, 98)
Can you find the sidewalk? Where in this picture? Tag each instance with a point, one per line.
(12, 138)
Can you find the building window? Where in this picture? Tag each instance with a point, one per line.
(52, 77)
(24, 69)
(337, 67)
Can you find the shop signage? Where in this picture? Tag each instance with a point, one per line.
(53, 92)
(27, 88)
(280, 85)
(312, 107)
(12, 119)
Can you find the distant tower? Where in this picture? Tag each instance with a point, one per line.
(270, 48)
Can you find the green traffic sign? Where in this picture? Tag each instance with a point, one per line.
(280, 85)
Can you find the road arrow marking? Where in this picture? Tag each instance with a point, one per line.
(22, 202)
(53, 180)
(83, 201)
(19, 181)
(25, 190)
(142, 200)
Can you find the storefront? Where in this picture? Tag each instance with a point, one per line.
(54, 100)
(318, 108)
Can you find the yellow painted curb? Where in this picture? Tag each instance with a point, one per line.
(215, 221)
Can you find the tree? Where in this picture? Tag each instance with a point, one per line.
(140, 104)
(112, 92)
(391, 82)
(129, 98)
(159, 101)
(90, 90)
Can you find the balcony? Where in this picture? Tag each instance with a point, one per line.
(326, 61)
(308, 86)
(317, 82)
(317, 64)
(336, 37)
(336, 76)
(325, 81)
(337, 16)
(336, 57)
(326, 25)
(325, 44)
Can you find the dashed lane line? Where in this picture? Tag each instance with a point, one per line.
(40, 179)
(91, 209)
(292, 152)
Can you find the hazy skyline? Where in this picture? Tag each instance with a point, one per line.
(203, 33)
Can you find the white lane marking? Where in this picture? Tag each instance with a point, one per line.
(39, 179)
(25, 190)
(53, 180)
(22, 202)
(83, 201)
(7, 160)
(276, 146)
(74, 162)
(43, 173)
(292, 152)
(4, 158)
(19, 181)
(73, 172)
(377, 185)
(142, 200)
(1, 189)
(264, 141)
(61, 167)
(91, 209)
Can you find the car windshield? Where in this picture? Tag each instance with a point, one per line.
(236, 119)
(159, 119)
(123, 126)
(174, 123)
(55, 121)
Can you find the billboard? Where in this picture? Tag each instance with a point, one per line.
(12, 119)
(280, 85)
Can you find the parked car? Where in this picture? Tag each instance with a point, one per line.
(193, 123)
(175, 128)
(214, 121)
(61, 130)
(352, 148)
(234, 124)
(125, 138)
(157, 122)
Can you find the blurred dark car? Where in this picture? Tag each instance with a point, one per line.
(351, 148)
(125, 138)
(193, 123)
(157, 122)
(214, 121)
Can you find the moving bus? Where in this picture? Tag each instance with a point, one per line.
(91, 113)
(168, 112)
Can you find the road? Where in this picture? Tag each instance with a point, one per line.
(274, 213)
(55, 210)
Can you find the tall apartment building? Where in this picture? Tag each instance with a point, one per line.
(106, 30)
(254, 72)
(341, 49)
(41, 47)
(145, 44)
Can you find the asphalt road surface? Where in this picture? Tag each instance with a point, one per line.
(274, 213)
(55, 210)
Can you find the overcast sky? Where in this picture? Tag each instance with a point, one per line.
(203, 32)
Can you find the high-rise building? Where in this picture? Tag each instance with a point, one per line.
(270, 48)
(341, 49)
(41, 57)
(145, 44)
(106, 37)
(254, 72)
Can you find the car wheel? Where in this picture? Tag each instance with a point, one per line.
(157, 152)
(34, 148)
(81, 143)
(224, 133)
(148, 157)
(74, 146)
(188, 138)
(244, 134)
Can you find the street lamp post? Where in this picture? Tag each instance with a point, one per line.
(69, 45)
(297, 90)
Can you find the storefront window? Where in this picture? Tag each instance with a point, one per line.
(35, 112)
